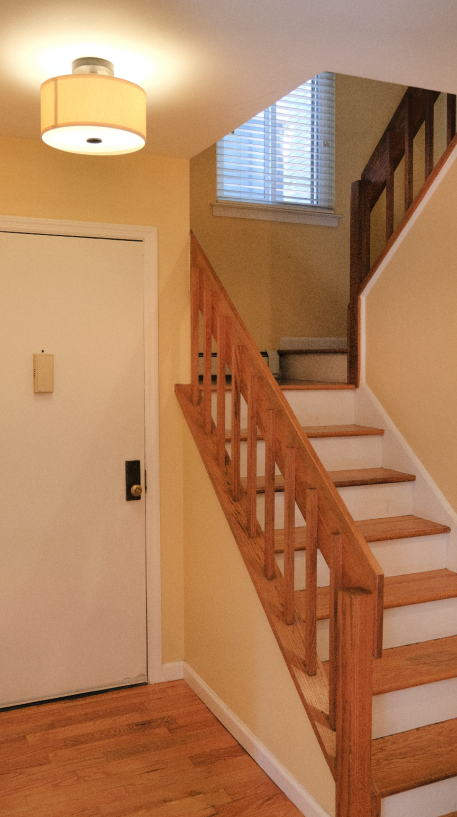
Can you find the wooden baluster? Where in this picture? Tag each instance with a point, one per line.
(389, 185)
(311, 581)
(450, 104)
(429, 105)
(207, 345)
(194, 329)
(270, 463)
(360, 267)
(354, 703)
(289, 536)
(252, 457)
(336, 583)
(221, 363)
(236, 417)
(408, 155)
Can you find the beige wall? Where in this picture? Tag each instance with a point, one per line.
(229, 642)
(292, 279)
(412, 339)
(136, 189)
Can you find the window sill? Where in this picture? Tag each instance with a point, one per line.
(274, 212)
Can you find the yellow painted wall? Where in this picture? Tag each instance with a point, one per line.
(292, 280)
(229, 642)
(412, 337)
(40, 182)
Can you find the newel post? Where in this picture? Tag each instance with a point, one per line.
(354, 703)
(359, 267)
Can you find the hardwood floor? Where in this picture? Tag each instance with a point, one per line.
(149, 750)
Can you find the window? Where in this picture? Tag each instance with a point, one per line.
(285, 154)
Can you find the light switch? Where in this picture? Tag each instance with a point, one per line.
(43, 373)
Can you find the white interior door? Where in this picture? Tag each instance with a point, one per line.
(72, 549)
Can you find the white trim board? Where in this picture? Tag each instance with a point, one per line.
(278, 212)
(148, 236)
(296, 793)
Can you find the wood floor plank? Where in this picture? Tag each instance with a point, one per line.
(415, 758)
(154, 749)
(399, 591)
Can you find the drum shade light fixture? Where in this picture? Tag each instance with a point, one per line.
(93, 112)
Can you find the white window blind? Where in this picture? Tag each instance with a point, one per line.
(285, 154)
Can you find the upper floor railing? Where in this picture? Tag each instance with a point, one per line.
(395, 151)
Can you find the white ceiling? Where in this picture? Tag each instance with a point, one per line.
(209, 65)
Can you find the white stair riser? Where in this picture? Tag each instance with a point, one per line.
(362, 501)
(412, 555)
(312, 408)
(396, 557)
(325, 368)
(407, 625)
(322, 406)
(410, 708)
(376, 501)
(433, 800)
(323, 573)
(335, 453)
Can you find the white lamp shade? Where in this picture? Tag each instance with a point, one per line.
(93, 114)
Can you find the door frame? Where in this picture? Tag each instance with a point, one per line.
(148, 236)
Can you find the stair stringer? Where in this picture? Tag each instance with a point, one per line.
(311, 690)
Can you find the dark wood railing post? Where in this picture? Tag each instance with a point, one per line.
(354, 703)
(429, 106)
(450, 129)
(359, 267)
(409, 137)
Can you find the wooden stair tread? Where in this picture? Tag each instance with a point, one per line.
(312, 432)
(368, 476)
(399, 591)
(414, 758)
(414, 665)
(346, 478)
(399, 527)
(375, 530)
(294, 385)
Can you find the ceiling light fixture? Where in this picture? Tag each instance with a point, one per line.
(93, 112)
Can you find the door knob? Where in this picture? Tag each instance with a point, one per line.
(136, 490)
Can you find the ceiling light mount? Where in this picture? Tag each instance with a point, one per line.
(93, 112)
(92, 65)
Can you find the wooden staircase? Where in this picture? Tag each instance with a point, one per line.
(364, 612)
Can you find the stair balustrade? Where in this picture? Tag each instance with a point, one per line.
(396, 144)
(339, 707)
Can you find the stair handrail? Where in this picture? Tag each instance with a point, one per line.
(415, 109)
(356, 579)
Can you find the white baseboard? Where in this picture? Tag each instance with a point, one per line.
(296, 793)
(174, 671)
